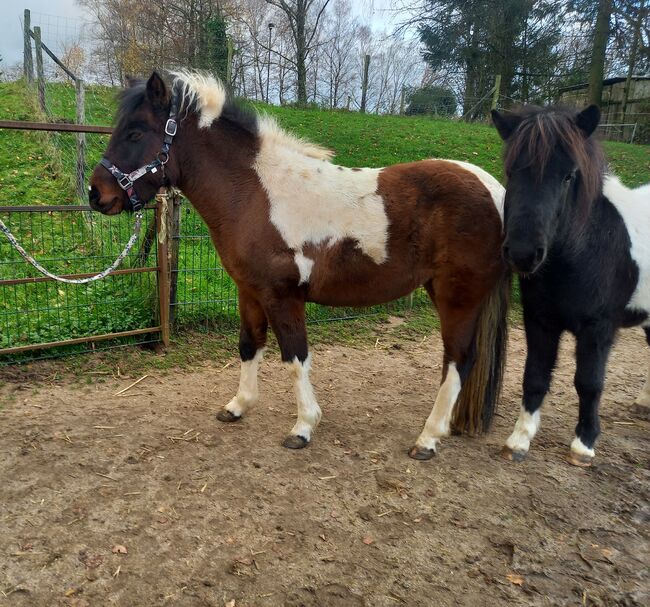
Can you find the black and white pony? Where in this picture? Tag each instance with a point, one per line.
(580, 241)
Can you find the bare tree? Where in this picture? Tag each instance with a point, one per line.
(304, 18)
(341, 30)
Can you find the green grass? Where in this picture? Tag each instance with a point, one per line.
(38, 168)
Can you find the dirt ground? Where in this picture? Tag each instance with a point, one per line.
(145, 499)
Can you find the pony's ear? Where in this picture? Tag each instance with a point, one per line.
(588, 119)
(157, 91)
(505, 123)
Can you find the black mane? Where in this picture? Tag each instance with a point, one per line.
(541, 132)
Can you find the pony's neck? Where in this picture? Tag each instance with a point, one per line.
(211, 162)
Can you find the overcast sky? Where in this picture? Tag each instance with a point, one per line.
(62, 20)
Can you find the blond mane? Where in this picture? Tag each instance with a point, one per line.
(208, 97)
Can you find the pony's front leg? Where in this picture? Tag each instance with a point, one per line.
(592, 351)
(252, 339)
(644, 398)
(287, 319)
(542, 345)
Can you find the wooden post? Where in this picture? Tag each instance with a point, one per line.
(364, 84)
(495, 94)
(39, 69)
(28, 61)
(347, 105)
(174, 245)
(162, 212)
(81, 140)
(402, 101)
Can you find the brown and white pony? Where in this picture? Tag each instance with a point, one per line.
(292, 227)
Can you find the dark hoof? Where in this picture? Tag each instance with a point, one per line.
(295, 441)
(582, 461)
(421, 453)
(513, 456)
(227, 416)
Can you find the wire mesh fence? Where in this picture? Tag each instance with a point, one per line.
(37, 311)
(52, 168)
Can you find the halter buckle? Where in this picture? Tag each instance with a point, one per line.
(171, 127)
(124, 182)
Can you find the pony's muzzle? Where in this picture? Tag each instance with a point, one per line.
(97, 203)
(524, 259)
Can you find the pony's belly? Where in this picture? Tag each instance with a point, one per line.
(359, 294)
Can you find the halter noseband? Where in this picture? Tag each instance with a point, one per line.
(126, 180)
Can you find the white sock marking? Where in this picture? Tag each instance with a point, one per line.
(304, 267)
(309, 412)
(579, 448)
(525, 429)
(437, 423)
(247, 394)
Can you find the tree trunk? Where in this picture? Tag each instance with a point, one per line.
(301, 57)
(601, 37)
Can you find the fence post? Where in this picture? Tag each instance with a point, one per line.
(174, 246)
(162, 224)
(80, 94)
(495, 96)
(364, 84)
(28, 61)
(40, 73)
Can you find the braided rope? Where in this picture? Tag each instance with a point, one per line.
(76, 281)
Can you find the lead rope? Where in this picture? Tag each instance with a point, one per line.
(76, 281)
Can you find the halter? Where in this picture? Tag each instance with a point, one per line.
(126, 180)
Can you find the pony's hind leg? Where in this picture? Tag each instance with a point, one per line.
(252, 339)
(287, 318)
(542, 353)
(644, 398)
(457, 328)
(592, 351)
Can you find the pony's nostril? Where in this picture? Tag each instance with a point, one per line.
(93, 195)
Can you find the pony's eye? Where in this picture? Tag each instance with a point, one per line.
(569, 177)
(135, 136)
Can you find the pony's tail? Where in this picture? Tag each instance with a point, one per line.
(477, 401)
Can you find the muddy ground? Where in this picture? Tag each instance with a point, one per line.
(145, 499)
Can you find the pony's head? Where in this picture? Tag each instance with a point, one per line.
(554, 170)
(137, 141)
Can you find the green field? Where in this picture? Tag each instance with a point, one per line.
(38, 169)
